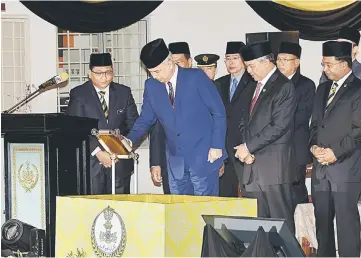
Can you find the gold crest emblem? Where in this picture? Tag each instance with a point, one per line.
(108, 234)
(205, 59)
(28, 176)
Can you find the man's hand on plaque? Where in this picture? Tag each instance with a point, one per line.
(104, 159)
(214, 154)
(156, 175)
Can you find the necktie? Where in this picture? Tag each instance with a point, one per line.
(254, 100)
(103, 103)
(233, 88)
(332, 93)
(171, 93)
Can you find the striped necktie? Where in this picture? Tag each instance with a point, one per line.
(332, 93)
(104, 103)
(171, 93)
(233, 88)
(256, 95)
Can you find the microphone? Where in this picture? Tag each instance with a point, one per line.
(62, 77)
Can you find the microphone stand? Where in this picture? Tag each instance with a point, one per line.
(24, 101)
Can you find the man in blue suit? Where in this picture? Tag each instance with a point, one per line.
(192, 114)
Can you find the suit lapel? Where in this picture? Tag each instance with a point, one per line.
(179, 90)
(112, 103)
(241, 85)
(264, 92)
(226, 88)
(96, 102)
(295, 79)
(339, 93)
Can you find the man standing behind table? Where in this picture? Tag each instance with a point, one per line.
(192, 114)
(288, 62)
(336, 145)
(157, 158)
(113, 105)
(232, 92)
(268, 148)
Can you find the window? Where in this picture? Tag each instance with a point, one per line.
(124, 45)
(14, 62)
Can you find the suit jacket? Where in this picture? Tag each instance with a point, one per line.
(196, 124)
(234, 109)
(269, 131)
(84, 102)
(305, 93)
(235, 119)
(338, 128)
(356, 69)
(157, 144)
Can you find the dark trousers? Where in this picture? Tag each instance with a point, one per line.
(228, 182)
(299, 189)
(102, 183)
(273, 201)
(165, 180)
(343, 203)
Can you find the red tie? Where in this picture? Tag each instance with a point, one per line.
(254, 100)
(171, 93)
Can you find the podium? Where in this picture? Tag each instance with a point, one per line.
(139, 225)
(45, 155)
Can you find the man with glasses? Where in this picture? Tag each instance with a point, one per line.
(352, 36)
(335, 141)
(288, 62)
(113, 105)
(231, 87)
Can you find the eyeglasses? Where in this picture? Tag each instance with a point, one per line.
(329, 65)
(100, 74)
(284, 60)
(229, 59)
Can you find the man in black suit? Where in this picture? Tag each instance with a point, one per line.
(269, 110)
(113, 105)
(335, 140)
(157, 157)
(352, 36)
(288, 62)
(232, 86)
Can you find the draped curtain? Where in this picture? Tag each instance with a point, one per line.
(91, 16)
(313, 25)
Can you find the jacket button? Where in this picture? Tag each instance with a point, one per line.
(178, 134)
(323, 126)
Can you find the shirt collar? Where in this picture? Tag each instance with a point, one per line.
(238, 78)
(290, 77)
(105, 90)
(173, 80)
(343, 79)
(265, 79)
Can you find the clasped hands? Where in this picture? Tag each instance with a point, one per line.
(243, 154)
(324, 156)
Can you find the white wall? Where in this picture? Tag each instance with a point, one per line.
(42, 58)
(207, 26)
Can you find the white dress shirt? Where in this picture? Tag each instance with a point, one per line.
(341, 81)
(106, 97)
(173, 81)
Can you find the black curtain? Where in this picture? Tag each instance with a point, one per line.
(87, 17)
(312, 25)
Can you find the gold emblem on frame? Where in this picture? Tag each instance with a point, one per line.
(28, 176)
